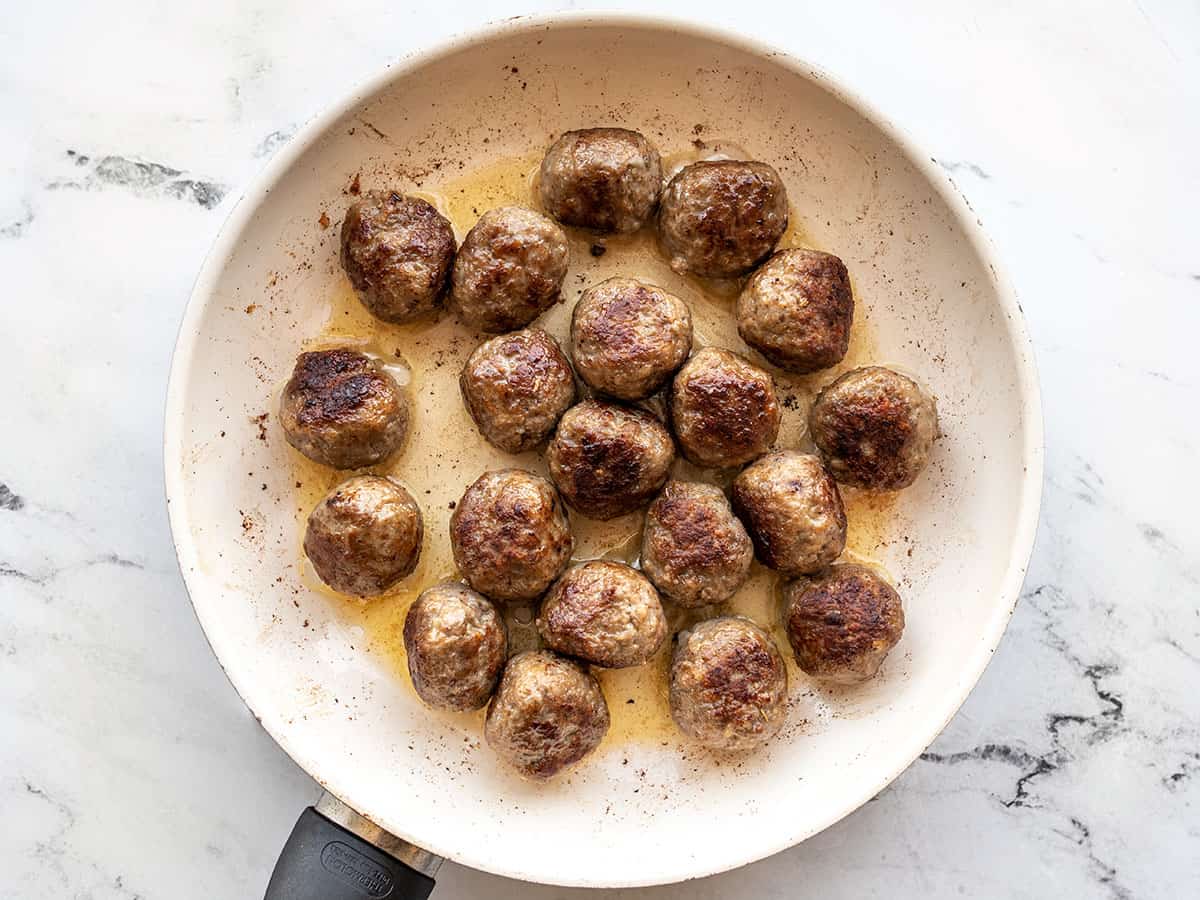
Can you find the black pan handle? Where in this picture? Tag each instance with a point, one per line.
(335, 854)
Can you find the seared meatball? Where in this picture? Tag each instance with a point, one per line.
(793, 512)
(693, 547)
(509, 269)
(516, 387)
(364, 535)
(796, 310)
(842, 623)
(875, 428)
(548, 713)
(510, 535)
(720, 219)
(629, 337)
(456, 645)
(397, 251)
(606, 179)
(608, 460)
(342, 409)
(724, 409)
(605, 613)
(728, 684)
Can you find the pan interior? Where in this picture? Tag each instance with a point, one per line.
(465, 127)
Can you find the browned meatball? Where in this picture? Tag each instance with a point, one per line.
(793, 512)
(456, 645)
(516, 387)
(397, 251)
(342, 409)
(510, 535)
(728, 684)
(693, 547)
(606, 179)
(629, 337)
(796, 310)
(724, 409)
(842, 623)
(548, 713)
(608, 460)
(721, 219)
(364, 535)
(509, 269)
(605, 613)
(875, 428)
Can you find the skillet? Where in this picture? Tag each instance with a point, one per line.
(460, 123)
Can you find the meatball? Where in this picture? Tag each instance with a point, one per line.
(874, 428)
(724, 409)
(456, 645)
(342, 409)
(693, 547)
(548, 713)
(842, 623)
(510, 535)
(606, 179)
(605, 613)
(793, 512)
(397, 252)
(796, 310)
(509, 269)
(364, 535)
(516, 387)
(629, 337)
(720, 219)
(608, 460)
(728, 684)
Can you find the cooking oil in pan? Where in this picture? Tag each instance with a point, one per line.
(444, 452)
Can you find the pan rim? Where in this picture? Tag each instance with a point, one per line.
(260, 185)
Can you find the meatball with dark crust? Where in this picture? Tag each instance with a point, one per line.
(720, 219)
(796, 310)
(516, 387)
(548, 714)
(604, 612)
(509, 269)
(694, 548)
(628, 338)
(608, 460)
(728, 684)
(397, 252)
(793, 512)
(724, 409)
(875, 428)
(364, 535)
(342, 409)
(510, 535)
(842, 623)
(456, 645)
(606, 179)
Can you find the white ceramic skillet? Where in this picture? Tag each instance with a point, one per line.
(465, 124)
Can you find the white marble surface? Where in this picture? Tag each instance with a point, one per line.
(128, 766)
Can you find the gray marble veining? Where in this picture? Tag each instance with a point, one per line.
(128, 766)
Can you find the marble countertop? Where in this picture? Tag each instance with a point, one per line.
(129, 768)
